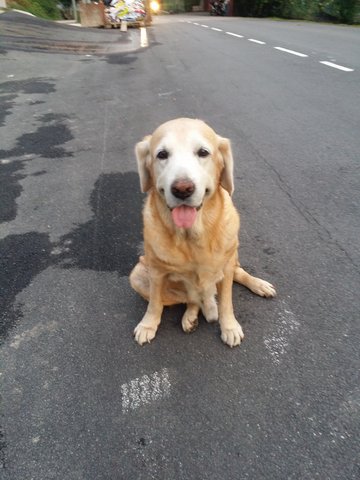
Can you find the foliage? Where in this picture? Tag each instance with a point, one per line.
(173, 6)
(347, 11)
(188, 4)
(40, 8)
(251, 8)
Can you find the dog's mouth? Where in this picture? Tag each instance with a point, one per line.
(184, 216)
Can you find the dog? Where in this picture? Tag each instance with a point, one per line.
(191, 230)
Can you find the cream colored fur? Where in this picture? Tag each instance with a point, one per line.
(190, 265)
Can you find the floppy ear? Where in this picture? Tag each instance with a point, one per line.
(142, 152)
(227, 178)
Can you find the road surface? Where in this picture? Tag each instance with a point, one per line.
(80, 399)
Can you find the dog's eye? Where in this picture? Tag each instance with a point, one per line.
(162, 155)
(203, 153)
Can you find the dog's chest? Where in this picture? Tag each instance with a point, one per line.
(198, 271)
(197, 277)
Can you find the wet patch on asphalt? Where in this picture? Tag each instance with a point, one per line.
(46, 142)
(22, 258)
(10, 189)
(30, 86)
(110, 240)
(2, 446)
(121, 59)
(10, 90)
(7, 104)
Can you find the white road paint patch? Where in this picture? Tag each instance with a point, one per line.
(34, 332)
(216, 29)
(256, 41)
(338, 67)
(205, 26)
(58, 250)
(143, 38)
(195, 23)
(61, 249)
(292, 52)
(287, 325)
(145, 390)
(234, 34)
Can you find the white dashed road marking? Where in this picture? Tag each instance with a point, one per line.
(256, 41)
(339, 67)
(292, 52)
(281, 49)
(234, 34)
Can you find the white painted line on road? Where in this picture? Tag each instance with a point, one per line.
(143, 38)
(234, 34)
(281, 49)
(145, 390)
(339, 67)
(298, 54)
(287, 325)
(256, 41)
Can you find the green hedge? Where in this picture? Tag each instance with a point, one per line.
(41, 8)
(347, 11)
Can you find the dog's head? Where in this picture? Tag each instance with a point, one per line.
(185, 161)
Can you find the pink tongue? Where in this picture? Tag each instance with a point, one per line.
(184, 216)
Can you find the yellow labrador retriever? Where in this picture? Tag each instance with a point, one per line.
(191, 229)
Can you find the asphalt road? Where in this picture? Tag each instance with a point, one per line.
(80, 399)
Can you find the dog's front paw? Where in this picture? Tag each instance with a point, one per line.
(263, 288)
(144, 334)
(189, 321)
(232, 336)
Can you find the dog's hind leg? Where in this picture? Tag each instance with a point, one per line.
(140, 280)
(256, 285)
(172, 293)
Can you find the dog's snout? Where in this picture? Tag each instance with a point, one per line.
(182, 188)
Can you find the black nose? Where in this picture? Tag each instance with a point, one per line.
(183, 188)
